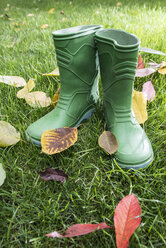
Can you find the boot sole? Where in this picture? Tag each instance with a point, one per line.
(38, 143)
(138, 166)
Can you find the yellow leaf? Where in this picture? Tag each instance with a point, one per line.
(108, 142)
(27, 88)
(139, 106)
(64, 19)
(56, 97)
(118, 4)
(57, 140)
(162, 69)
(53, 73)
(13, 81)
(37, 99)
(51, 11)
(44, 26)
(8, 134)
(2, 175)
(30, 15)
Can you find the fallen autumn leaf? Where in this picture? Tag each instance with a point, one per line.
(52, 174)
(108, 142)
(8, 134)
(126, 219)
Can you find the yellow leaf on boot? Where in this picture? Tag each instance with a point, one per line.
(57, 140)
(139, 106)
(27, 88)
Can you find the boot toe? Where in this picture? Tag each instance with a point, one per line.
(137, 157)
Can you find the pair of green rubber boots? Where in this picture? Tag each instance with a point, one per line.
(78, 50)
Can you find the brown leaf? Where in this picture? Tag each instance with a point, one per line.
(52, 174)
(78, 230)
(56, 97)
(44, 26)
(139, 106)
(62, 12)
(108, 142)
(140, 64)
(57, 140)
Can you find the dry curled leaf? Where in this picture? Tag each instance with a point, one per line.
(149, 91)
(162, 69)
(53, 73)
(51, 11)
(126, 219)
(2, 175)
(44, 26)
(37, 99)
(52, 174)
(8, 134)
(139, 106)
(140, 64)
(56, 97)
(57, 140)
(144, 72)
(108, 142)
(78, 230)
(13, 81)
(27, 88)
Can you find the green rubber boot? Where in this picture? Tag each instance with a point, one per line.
(78, 66)
(118, 54)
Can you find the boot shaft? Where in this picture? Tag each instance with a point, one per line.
(76, 57)
(118, 54)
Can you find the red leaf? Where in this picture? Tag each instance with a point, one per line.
(51, 174)
(78, 230)
(140, 64)
(144, 72)
(126, 219)
(149, 91)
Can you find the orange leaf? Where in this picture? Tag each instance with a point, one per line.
(126, 219)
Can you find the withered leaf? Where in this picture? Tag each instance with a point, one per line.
(57, 140)
(108, 142)
(139, 106)
(51, 11)
(52, 174)
(8, 134)
(140, 64)
(13, 81)
(38, 99)
(27, 88)
(44, 26)
(162, 69)
(78, 230)
(56, 97)
(144, 72)
(2, 174)
(149, 91)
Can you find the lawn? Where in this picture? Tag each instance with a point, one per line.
(31, 207)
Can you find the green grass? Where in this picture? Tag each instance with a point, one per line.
(31, 207)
